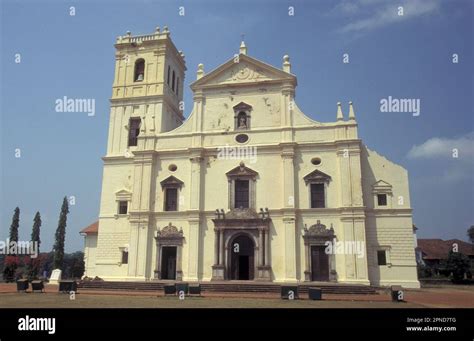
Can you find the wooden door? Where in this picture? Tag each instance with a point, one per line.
(319, 263)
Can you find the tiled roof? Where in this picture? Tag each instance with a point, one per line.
(92, 228)
(439, 249)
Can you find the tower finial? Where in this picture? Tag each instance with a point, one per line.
(286, 63)
(339, 116)
(200, 71)
(351, 112)
(243, 48)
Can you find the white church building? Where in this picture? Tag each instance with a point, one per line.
(247, 187)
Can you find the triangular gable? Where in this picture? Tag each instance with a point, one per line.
(241, 171)
(381, 187)
(316, 176)
(247, 70)
(123, 194)
(171, 181)
(242, 106)
(381, 183)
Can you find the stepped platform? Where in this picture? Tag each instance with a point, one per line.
(232, 287)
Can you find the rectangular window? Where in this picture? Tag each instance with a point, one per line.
(382, 257)
(124, 257)
(172, 81)
(134, 130)
(123, 207)
(317, 196)
(171, 199)
(382, 199)
(241, 194)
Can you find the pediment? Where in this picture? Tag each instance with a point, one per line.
(241, 171)
(317, 176)
(169, 232)
(123, 191)
(381, 186)
(247, 71)
(242, 106)
(123, 194)
(171, 181)
(318, 230)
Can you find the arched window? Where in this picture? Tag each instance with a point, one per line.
(169, 71)
(177, 86)
(172, 86)
(139, 70)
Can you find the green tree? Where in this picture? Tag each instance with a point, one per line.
(457, 264)
(73, 265)
(15, 225)
(34, 263)
(35, 233)
(11, 261)
(470, 233)
(60, 236)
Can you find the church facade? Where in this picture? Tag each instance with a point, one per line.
(247, 187)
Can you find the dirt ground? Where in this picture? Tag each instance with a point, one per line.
(437, 297)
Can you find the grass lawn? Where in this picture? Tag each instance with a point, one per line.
(84, 300)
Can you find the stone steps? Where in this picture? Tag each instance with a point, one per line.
(250, 287)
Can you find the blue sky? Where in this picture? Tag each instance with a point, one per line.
(407, 56)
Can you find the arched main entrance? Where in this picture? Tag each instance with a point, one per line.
(247, 230)
(242, 258)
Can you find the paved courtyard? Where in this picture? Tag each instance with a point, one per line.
(443, 297)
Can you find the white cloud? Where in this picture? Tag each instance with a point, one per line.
(439, 147)
(375, 13)
(346, 7)
(451, 170)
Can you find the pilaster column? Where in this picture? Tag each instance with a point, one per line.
(194, 214)
(307, 257)
(132, 250)
(361, 262)
(195, 185)
(157, 261)
(267, 247)
(193, 248)
(197, 123)
(287, 155)
(218, 267)
(179, 268)
(221, 247)
(356, 175)
(216, 246)
(138, 259)
(287, 104)
(290, 249)
(261, 247)
(332, 268)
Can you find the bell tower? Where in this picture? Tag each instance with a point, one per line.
(147, 91)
